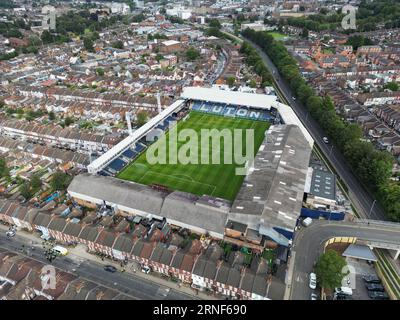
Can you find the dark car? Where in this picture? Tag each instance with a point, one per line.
(378, 295)
(371, 279)
(342, 297)
(374, 287)
(110, 268)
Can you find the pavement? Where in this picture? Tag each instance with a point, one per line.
(137, 285)
(364, 202)
(309, 241)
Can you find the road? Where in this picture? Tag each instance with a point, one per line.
(308, 245)
(363, 201)
(135, 287)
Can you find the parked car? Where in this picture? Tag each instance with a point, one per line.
(313, 281)
(344, 291)
(375, 287)
(314, 296)
(342, 297)
(307, 221)
(326, 140)
(110, 268)
(146, 269)
(371, 279)
(10, 233)
(378, 295)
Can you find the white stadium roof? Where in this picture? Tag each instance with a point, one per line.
(101, 161)
(229, 97)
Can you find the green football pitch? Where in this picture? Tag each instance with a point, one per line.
(218, 180)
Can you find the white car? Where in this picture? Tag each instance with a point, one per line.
(325, 139)
(293, 98)
(314, 296)
(313, 281)
(10, 233)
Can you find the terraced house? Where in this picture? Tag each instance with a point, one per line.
(201, 264)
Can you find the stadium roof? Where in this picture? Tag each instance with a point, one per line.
(272, 193)
(180, 208)
(105, 158)
(229, 97)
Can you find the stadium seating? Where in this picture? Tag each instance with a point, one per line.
(117, 165)
(129, 153)
(233, 111)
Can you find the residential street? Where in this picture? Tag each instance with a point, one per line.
(361, 198)
(129, 284)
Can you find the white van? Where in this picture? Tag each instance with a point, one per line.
(307, 221)
(60, 250)
(344, 290)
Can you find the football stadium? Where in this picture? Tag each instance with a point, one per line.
(254, 208)
(218, 180)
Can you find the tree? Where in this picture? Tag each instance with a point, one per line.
(192, 53)
(329, 269)
(214, 23)
(46, 37)
(253, 83)
(59, 181)
(100, 72)
(52, 116)
(3, 168)
(68, 121)
(304, 34)
(36, 183)
(118, 44)
(25, 190)
(141, 118)
(230, 81)
(393, 86)
(88, 44)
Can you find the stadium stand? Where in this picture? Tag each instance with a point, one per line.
(233, 111)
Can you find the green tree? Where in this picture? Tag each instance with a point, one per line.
(230, 81)
(214, 23)
(393, 86)
(192, 53)
(88, 44)
(141, 118)
(4, 171)
(100, 72)
(25, 190)
(59, 181)
(36, 183)
(329, 269)
(46, 37)
(52, 116)
(118, 44)
(68, 121)
(253, 83)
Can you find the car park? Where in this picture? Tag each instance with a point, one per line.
(375, 287)
(378, 295)
(313, 281)
(110, 268)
